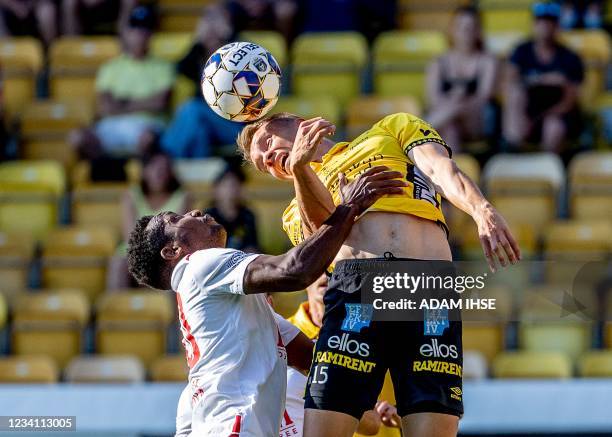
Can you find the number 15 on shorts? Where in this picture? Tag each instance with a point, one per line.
(319, 374)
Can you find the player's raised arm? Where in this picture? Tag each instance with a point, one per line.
(303, 264)
(314, 202)
(495, 236)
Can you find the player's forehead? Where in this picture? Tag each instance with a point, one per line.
(259, 144)
(162, 219)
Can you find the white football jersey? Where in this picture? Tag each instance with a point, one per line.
(235, 346)
(293, 419)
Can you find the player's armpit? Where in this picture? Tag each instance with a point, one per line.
(299, 353)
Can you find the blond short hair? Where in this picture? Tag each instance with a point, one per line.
(245, 137)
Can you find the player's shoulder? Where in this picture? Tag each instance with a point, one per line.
(399, 120)
(215, 256)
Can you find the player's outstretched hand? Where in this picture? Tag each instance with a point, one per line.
(388, 414)
(496, 239)
(309, 135)
(368, 187)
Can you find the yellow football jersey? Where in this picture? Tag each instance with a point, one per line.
(386, 143)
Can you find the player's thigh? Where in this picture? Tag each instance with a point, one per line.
(430, 425)
(323, 423)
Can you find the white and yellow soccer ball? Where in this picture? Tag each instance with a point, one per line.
(241, 81)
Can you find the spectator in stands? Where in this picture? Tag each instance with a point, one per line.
(159, 190)
(364, 16)
(461, 83)
(29, 17)
(195, 129)
(581, 13)
(543, 81)
(279, 15)
(133, 94)
(83, 16)
(228, 210)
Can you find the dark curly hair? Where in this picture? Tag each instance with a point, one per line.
(144, 260)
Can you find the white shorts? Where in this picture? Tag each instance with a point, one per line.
(119, 134)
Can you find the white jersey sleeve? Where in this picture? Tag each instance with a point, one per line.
(287, 330)
(220, 270)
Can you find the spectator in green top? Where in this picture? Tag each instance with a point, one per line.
(133, 93)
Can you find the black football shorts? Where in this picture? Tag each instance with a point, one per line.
(353, 354)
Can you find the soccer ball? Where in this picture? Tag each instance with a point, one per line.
(241, 81)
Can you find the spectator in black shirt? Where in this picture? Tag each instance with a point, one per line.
(543, 83)
(228, 210)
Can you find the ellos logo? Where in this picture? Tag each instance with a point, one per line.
(437, 350)
(345, 344)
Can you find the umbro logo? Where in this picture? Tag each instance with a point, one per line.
(456, 393)
(425, 132)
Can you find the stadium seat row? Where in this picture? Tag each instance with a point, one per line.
(54, 323)
(40, 369)
(322, 64)
(550, 319)
(514, 183)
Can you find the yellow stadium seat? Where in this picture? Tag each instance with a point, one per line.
(569, 245)
(171, 46)
(364, 111)
(286, 304)
(595, 364)
(400, 60)
(134, 323)
(595, 49)
(310, 107)
(28, 369)
(169, 368)
(29, 195)
(177, 21)
(268, 204)
(502, 43)
(485, 337)
(105, 370)
(75, 257)
(484, 331)
(22, 60)
(590, 184)
(183, 89)
(466, 233)
(271, 40)
(548, 323)
(74, 63)
(3, 310)
(45, 124)
(532, 365)
(180, 15)
(496, 20)
(16, 251)
(98, 205)
(49, 323)
(504, 4)
(197, 176)
(526, 182)
(426, 19)
(329, 64)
